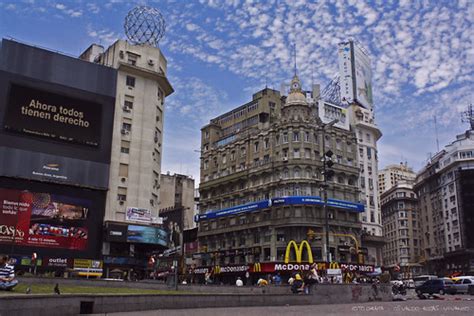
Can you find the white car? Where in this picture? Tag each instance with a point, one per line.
(461, 283)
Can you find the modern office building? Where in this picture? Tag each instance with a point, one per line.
(390, 175)
(402, 229)
(445, 188)
(260, 186)
(55, 149)
(133, 199)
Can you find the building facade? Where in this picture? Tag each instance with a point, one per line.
(132, 231)
(261, 179)
(55, 144)
(390, 175)
(445, 189)
(402, 229)
(177, 192)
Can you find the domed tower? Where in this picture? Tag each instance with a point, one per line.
(296, 107)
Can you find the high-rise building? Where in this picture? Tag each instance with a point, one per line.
(132, 208)
(142, 86)
(260, 186)
(390, 175)
(445, 189)
(356, 92)
(402, 229)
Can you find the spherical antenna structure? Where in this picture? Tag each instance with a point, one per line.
(144, 25)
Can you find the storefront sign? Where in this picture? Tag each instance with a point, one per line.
(57, 262)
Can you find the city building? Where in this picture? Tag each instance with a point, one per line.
(55, 149)
(390, 175)
(402, 229)
(445, 189)
(356, 94)
(177, 192)
(260, 186)
(133, 199)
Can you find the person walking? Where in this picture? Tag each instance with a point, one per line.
(239, 282)
(7, 274)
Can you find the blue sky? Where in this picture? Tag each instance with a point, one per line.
(220, 52)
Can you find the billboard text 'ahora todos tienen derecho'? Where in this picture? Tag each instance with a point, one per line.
(54, 116)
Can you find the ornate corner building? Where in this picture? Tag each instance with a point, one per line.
(261, 176)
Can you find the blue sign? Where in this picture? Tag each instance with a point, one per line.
(147, 235)
(289, 200)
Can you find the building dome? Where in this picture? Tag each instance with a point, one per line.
(296, 95)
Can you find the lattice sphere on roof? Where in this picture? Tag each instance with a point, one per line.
(144, 25)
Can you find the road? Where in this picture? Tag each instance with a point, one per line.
(432, 307)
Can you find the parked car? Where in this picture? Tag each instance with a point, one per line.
(436, 286)
(419, 280)
(409, 283)
(461, 283)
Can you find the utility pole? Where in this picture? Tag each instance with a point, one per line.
(327, 163)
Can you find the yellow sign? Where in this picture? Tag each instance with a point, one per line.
(257, 267)
(217, 269)
(334, 265)
(298, 251)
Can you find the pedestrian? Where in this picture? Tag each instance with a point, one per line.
(262, 282)
(239, 282)
(298, 284)
(277, 279)
(7, 274)
(207, 278)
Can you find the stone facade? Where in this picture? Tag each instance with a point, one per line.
(269, 148)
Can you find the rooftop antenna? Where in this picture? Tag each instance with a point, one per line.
(468, 116)
(294, 53)
(436, 131)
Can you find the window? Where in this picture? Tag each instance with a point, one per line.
(369, 153)
(285, 138)
(349, 147)
(232, 155)
(125, 147)
(130, 81)
(307, 153)
(296, 153)
(224, 158)
(132, 59)
(126, 127)
(243, 152)
(338, 144)
(306, 136)
(266, 143)
(361, 152)
(123, 170)
(128, 103)
(205, 164)
(256, 147)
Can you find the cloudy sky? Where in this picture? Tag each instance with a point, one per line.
(220, 52)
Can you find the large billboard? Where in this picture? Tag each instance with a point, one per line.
(355, 74)
(43, 220)
(51, 115)
(173, 223)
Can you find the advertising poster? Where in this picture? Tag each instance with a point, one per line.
(363, 77)
(43, 220)
(45, 114)
(147, 235)
(138, 214)
(173, 223)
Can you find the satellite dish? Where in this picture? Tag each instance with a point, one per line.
(144, 25)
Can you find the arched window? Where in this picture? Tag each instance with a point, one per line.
(285, 174)
(297, 173)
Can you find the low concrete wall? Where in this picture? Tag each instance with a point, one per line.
(50, 305)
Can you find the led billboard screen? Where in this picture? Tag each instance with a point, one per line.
(50, 115)
(43, 220)
(147, 235)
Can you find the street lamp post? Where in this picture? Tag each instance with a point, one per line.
(325, 185)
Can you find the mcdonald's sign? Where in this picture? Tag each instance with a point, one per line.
(217, 269)
(257, 267)
(334, 265)
(298, 251)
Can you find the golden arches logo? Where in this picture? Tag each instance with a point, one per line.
(298, 251)
(217, 269)
(334, 265)
(257, 267)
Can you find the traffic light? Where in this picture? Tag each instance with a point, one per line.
(329, 163)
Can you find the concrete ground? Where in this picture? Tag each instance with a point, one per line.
(410, 307)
